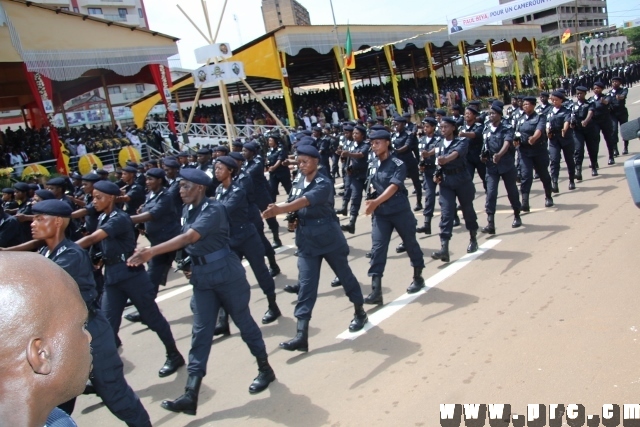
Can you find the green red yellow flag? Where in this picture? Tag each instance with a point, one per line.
(565, 36)
(349, 57)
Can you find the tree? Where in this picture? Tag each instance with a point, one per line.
(633, 35)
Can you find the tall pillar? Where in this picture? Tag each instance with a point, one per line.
(286, 92)
(379, 74)
(64, 112)
(106, 97)
(179, 107)
(346, 80)
(517, 67)
(494, 81)
(432, 72)
(394, 82)
(465, 66)
(536, 64)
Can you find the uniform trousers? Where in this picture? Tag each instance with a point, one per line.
(252, 248)
(159, 267)
(589, 136)
(139, 289)
(605, 126)
(429, 192)
(228, 287)
(283, 178)
(535, 159)
(404, 222)
(619, 117)
(475, 164)
(456, 186)
(509, 181)
(356, 187)
(309, 277)
(566, 147)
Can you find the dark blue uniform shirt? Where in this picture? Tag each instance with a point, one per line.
(428, 144)
(527, 126)
(136, 196)
(359, 166)
(165, 223)
(392, 170)
(494, 140)
(404, 139)
(117, 246)
(10, 231)
(210, 220)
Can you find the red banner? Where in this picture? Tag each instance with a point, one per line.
(163, 82)
(42, 92)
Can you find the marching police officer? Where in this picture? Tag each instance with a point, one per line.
(619, 112)
(543, 108)
(116, 237)
(584, 132)
(499, 156)
(171, 169)
(427, 146)
(473, 132)
(318, 237)
(455, 182)
(388, 202)
(278, 172)
(346, 144)
(245, 241)
(357, 170)
(404, 143)
(132, 193)
(560, 140)
(602, 118)
(51, 218)
(532, 143)
(218, 280)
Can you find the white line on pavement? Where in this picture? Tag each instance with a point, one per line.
(390, 309)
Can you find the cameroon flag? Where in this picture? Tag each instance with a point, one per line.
(349, 57)
(565, 36)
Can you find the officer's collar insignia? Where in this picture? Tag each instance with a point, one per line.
(397, 161)
(204, 205)
(62, 249)
(112, 214)
(319, 179)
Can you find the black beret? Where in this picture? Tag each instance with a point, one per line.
(305, 140)
(347, 128)
(563, 90)
(531, 99)
(558, 94)
(203, 151)
(599, 84)
(450, 120)
(221, 149)
(76, 175)
(431, 110)
(21, 186)
(132, 164)
(58, 182)
(251, 146)
(153, 163)
(107, 187)
(236, 156)
(498, 104)
(306, 132)
(237, 143)
(582, 89)
(45, 194)
(182, 154)
(228, 162)
(497, 108)
(473, 109)
(456, 108)
(544, 94)
(52, 207)
(441, 112)
(33, 187)
(399, 119)
(407, 115)
(155, 173)
(129, 169)
(196, 176)
(91, 177)
(102, 172)
(378, 127)
(371, 120)
(475, 102)
(361, 128)
(618, 78)
(317, 128)
(308, 150)
(8, 190)
(431, 121)
(380, 134)
(171, 163)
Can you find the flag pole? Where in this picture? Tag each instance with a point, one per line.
(340, 59)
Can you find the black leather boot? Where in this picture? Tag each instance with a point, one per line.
(292, 289)
(616, 153)
(473, 241)
(426, 229)
(418, 281)
(351, 227)
(173, 362)
(418, 206)
(525, 202)
(188, 402)
(375, 297)
(133, 317)
(359, 319)
(517, 222)
(400, 248)
(491, 225)
(548, 200)
(611, 161)
(456, 221)
(276, 239)
(335, 282)
(579, 173)
(342, 211)
(265, 376)
(625, 150)
(301, 341)
(443, 253)
(222, 326)
(273, 312)
(274, 269)
(554, 186)
(572, 185)
(594, 172)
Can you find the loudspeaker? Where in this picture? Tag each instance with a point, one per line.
(632, 170)
(630, 130)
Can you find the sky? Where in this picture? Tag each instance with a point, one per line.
(242, 20)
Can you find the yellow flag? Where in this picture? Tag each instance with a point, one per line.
(565, 36)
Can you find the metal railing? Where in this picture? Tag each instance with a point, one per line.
(115, 17)
(214, 131)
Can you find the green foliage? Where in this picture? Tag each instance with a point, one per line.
(633, 35)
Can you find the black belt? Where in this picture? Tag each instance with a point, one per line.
(213, 256)
(318, 221)
(116, 259)
(453, 171)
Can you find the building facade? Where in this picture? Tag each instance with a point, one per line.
(131, 12)
(277, 13)
(604, 51)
